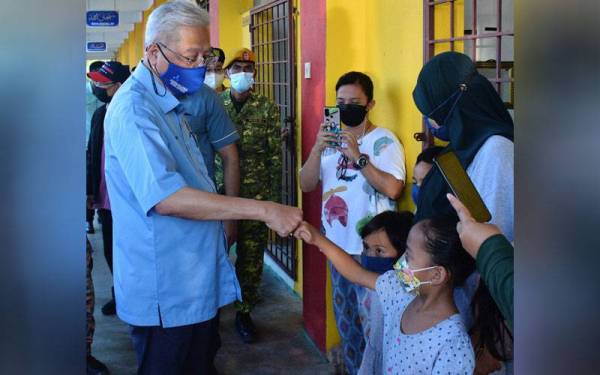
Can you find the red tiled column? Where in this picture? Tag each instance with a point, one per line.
(312, 32)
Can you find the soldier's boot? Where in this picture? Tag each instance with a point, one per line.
(245, 327)
(95, 367)
(110, 307)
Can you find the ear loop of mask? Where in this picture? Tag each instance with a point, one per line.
(413, 281)
(419, 282)
(421, 269)
(461, 89)
(153, 68)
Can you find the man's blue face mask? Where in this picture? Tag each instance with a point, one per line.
(182, 81)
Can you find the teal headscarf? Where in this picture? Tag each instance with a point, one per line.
(473, 114)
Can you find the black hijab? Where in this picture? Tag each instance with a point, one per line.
(473, 114)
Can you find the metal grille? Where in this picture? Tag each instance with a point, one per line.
(483, 43)
(272, 32)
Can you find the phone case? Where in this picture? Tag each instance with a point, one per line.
(462, 186)
(331, 119)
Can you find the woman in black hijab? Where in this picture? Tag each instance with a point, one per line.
(461, 107)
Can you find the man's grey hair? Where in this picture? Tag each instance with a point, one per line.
(164, 21)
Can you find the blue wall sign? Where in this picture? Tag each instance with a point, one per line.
(96, 46)
(102, 18)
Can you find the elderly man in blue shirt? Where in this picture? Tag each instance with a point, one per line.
(171, 271)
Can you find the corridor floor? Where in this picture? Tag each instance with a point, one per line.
(282, 347)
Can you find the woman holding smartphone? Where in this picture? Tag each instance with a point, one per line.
(362, 172)
(462, 107)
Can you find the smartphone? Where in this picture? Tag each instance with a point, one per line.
(462, 186)
(331, 119)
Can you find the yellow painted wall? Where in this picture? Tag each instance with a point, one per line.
(345, 51)
(442, 25)
(232, 35)
(299, 74)
(245, 30)
(383, 39)
(442, 31)
(132, 49)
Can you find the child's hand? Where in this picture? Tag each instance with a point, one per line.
(307, 233)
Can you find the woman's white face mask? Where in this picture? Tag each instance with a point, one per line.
(214, 80)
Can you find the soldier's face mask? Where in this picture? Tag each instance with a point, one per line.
(242, 81)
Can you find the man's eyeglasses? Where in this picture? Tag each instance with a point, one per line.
(208, 57)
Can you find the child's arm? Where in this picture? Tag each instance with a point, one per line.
(341, 260)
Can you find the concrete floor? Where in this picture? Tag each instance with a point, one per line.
(282, 348)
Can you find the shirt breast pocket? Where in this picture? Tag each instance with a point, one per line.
(255, 134)
(198, 126)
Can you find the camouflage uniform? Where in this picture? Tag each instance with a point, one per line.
(89, 297)
(258, 124)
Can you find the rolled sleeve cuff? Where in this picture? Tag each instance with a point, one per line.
(493, 249)
(226, 140)
(398, 175)
(160, 191)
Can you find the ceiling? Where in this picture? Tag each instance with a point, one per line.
(130, 12)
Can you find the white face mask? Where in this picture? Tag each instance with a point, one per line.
(214, 80)
(241, 82)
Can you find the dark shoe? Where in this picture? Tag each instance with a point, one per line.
(95, 367)
(245, 327)
(90, 228)
(109, 308)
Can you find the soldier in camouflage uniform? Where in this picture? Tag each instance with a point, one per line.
(89, 298)
(257, 120)
(94, 366)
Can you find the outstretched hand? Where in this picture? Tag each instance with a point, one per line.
(307, 233)
(282, 219)
(472, 234)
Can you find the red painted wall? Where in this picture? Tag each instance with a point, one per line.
(312, 29)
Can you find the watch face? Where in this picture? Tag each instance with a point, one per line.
(362, 161)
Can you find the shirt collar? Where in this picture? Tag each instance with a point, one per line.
(168, 102)
(227, 96)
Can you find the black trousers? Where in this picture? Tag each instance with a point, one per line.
(176, 351)
(107, 235)
(89, 215)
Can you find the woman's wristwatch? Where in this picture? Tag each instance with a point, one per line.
(361, 162)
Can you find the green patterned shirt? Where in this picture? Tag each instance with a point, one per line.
(260, 147)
